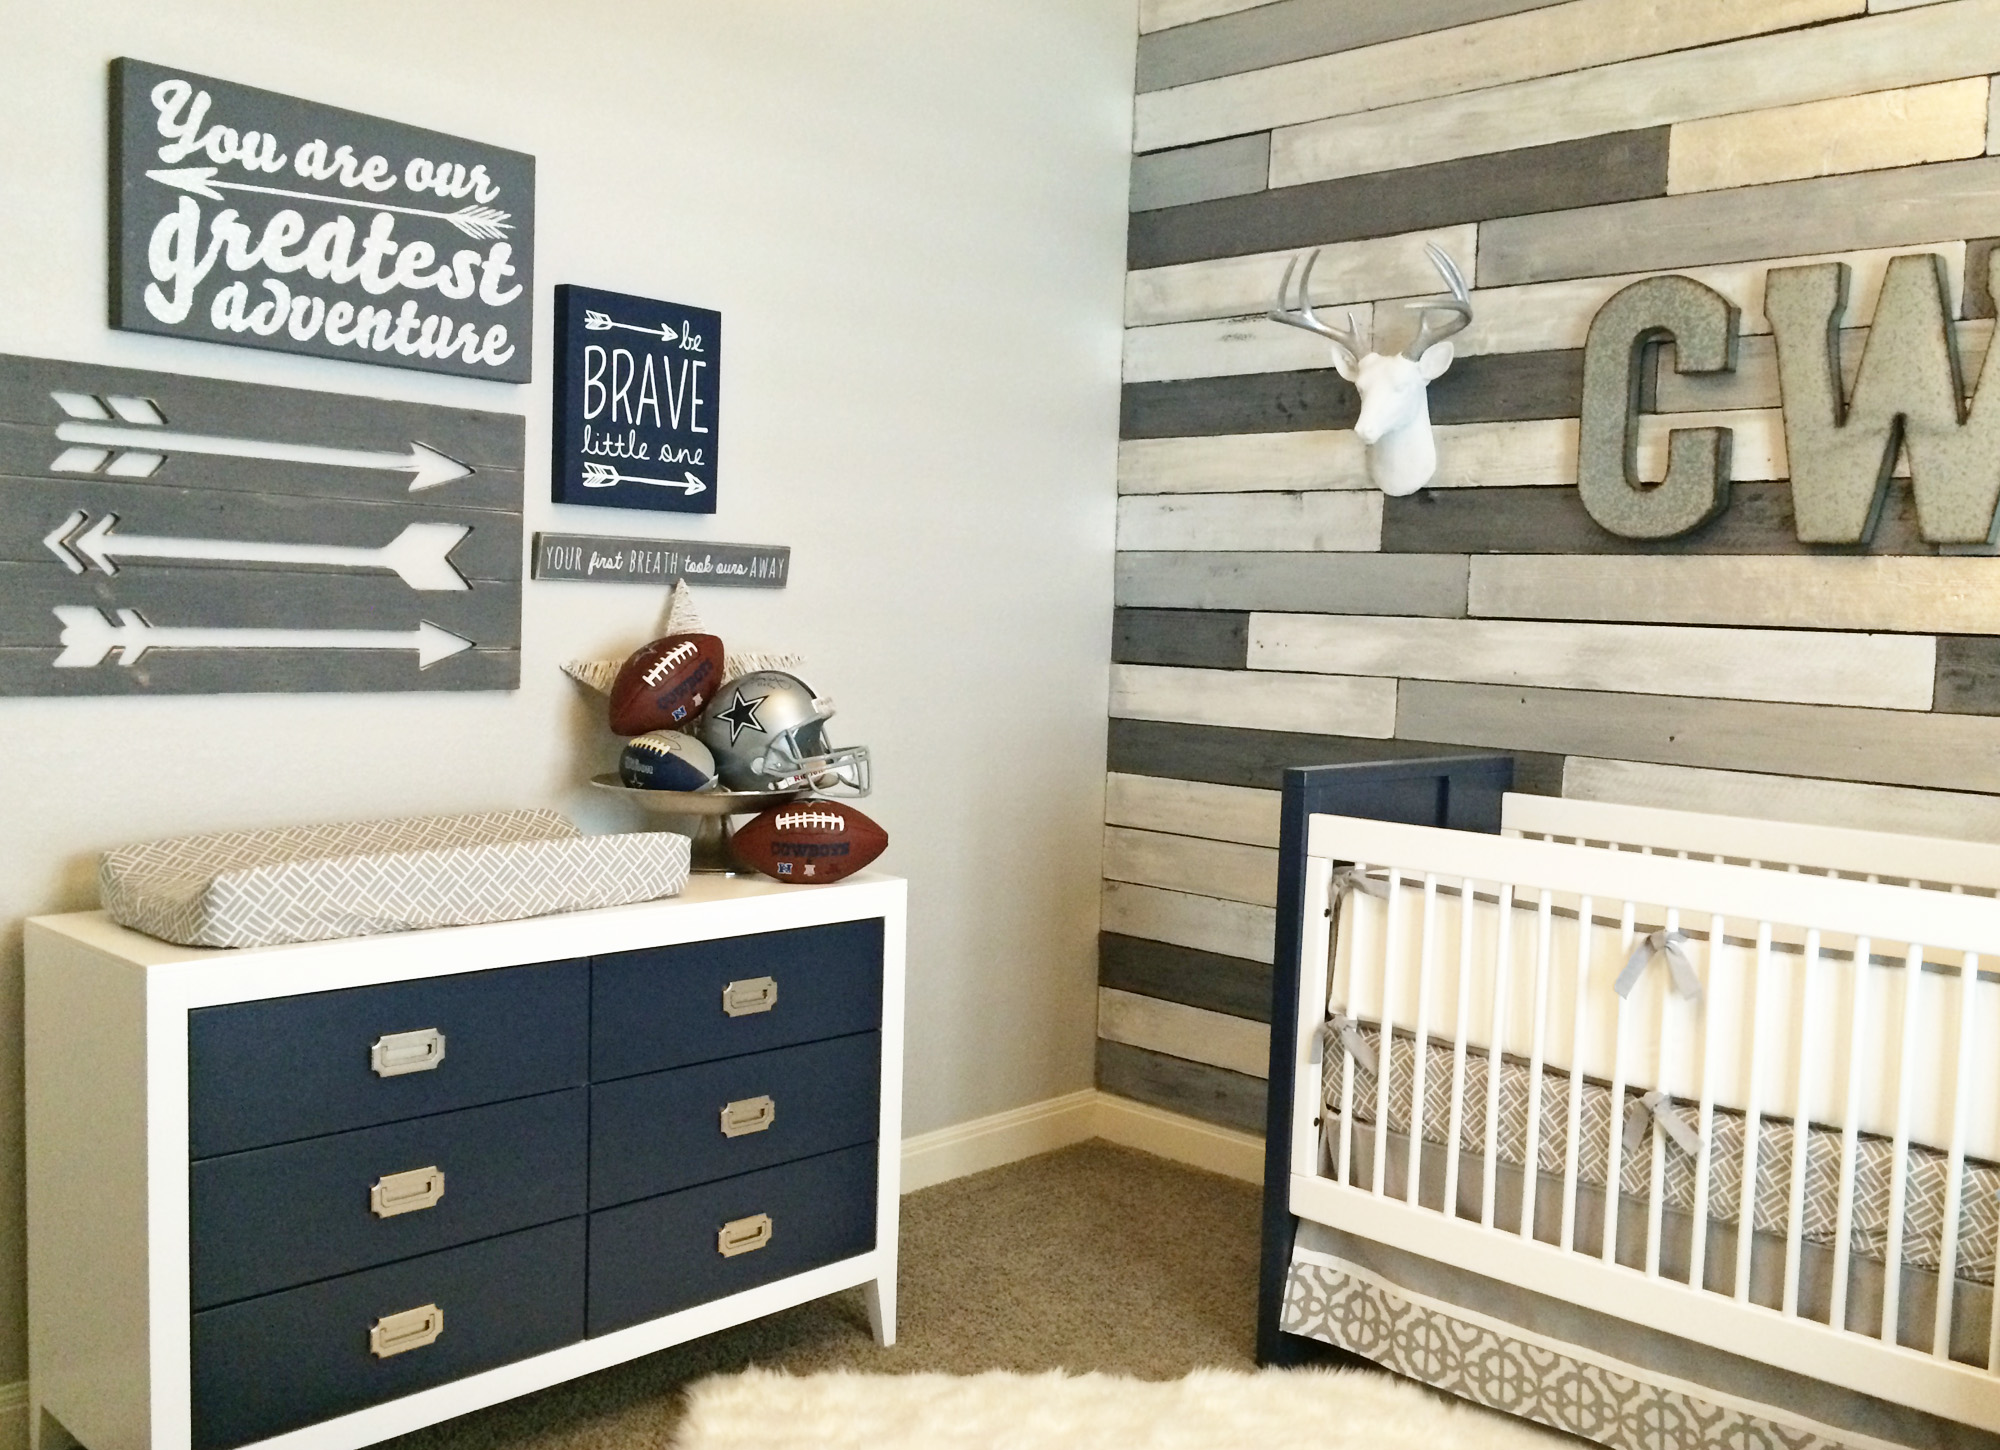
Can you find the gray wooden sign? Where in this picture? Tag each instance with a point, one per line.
(174, 535)
(247, 217)
(598, 559)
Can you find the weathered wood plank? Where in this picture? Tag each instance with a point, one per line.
(1192, 808)
(1882, 671)
(1920, 596)
(1466, 58)
(1470, 455)
(1590, 171)
(1162, 14)
(1172, 973)
(1192, 1033)
(1192, 1089)
(1298, 30)
(1889, 747)
(1328, 704)
(1193, 174)
(1941, 122)
(1259, 758)
(1553, 521)
(1430, 584)
(1514, 387)
(1221, 347)
(1242, 285)
(1199, 639)
(1754, 383)
(1206, 923)
(261, 672)
(1968, 674)
(1957, 815)
(1347, 521)
(1225, 869)
(1872, 54)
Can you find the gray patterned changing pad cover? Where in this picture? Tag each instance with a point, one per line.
(316, 883)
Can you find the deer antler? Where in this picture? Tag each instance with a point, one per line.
(1348, 338)
(1457, 307)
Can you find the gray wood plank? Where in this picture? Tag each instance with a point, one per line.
(1903, 207)
(1502, 388)
(1187, 975)
(1623, 166)
(1978, 299)
(1298, 30)
(1968, 674)
(1190, 174)
(272, 672)
(1205, 639)
(1553, 521)
(1259, 758)
(1212, 1094)
(1426, 584)
(1889, 747)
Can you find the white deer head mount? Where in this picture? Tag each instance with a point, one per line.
(1395, 421)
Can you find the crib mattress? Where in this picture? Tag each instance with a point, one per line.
(1923, 1220)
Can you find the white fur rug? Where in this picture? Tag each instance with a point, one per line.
(1209, 1410)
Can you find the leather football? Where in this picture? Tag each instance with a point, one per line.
(664, 685)
(809, 843)
(666, 760)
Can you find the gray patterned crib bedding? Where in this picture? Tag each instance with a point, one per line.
(317, 883)
(1923, 1220)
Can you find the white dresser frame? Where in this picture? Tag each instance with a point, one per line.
(109, 1312)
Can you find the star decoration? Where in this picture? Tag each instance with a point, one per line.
(743, 715)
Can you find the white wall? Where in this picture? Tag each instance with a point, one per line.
(912, 218)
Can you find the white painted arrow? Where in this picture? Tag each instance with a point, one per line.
(603, 475)
(429, 466)
(601, 322)
(482, 223)
(87, 637)
(419, 555)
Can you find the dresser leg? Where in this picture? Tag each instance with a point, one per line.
(881, 1294)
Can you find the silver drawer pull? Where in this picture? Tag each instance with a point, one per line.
(396, 1053)
(752, 994)
(743, 1235)
(748, 1115)
(401, 1333)
(395, 1193)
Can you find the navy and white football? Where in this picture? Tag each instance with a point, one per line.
(809, 843)
(666, 760)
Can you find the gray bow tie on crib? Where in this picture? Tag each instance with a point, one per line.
(1666, 944)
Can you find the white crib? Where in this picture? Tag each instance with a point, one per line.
(1472, 1090)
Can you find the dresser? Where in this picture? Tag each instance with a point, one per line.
(316, 1195)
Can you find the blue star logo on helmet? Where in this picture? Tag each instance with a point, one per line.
(742, 715)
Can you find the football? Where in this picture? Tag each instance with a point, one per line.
(809, 843)
(666, 760)
(664, 685)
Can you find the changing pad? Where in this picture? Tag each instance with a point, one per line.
(315, 883)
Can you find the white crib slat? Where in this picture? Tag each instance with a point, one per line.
(1662, 1055)
(1746, 1203)
(1801, 1127)
(1954, 1170)
(1414, 1177)
(1502, 955)
(1850, 1132)
(1899, 1167)
(1356, 956)
(1705, 1115)
(1531, 1158)
(1579, 1017)
(1614, 1158)
(1385, 1047)
(1466, 902)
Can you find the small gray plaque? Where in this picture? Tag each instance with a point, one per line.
(599, 559)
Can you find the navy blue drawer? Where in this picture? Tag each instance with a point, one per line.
(663, 1007)
(269, 1365)
(297, 1067)
(664, 1131)
(274, 1217)
(660, 1254)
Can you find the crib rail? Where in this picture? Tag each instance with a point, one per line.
(1809, 1014)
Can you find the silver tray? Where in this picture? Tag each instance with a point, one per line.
(701, 816)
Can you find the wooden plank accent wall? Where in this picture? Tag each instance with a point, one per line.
(1274, 610)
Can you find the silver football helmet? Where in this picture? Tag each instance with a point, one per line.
(767, 731)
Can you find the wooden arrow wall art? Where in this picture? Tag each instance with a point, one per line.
(174, 535)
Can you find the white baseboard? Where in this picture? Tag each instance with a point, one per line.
(992, 1142)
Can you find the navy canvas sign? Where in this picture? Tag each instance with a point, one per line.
(247, 217)
(638, 392)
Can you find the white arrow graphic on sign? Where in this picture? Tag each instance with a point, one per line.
(87, 637)
(429, 466)
(603, 475)
(482, 223)
(420, 555)
(601, 322)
